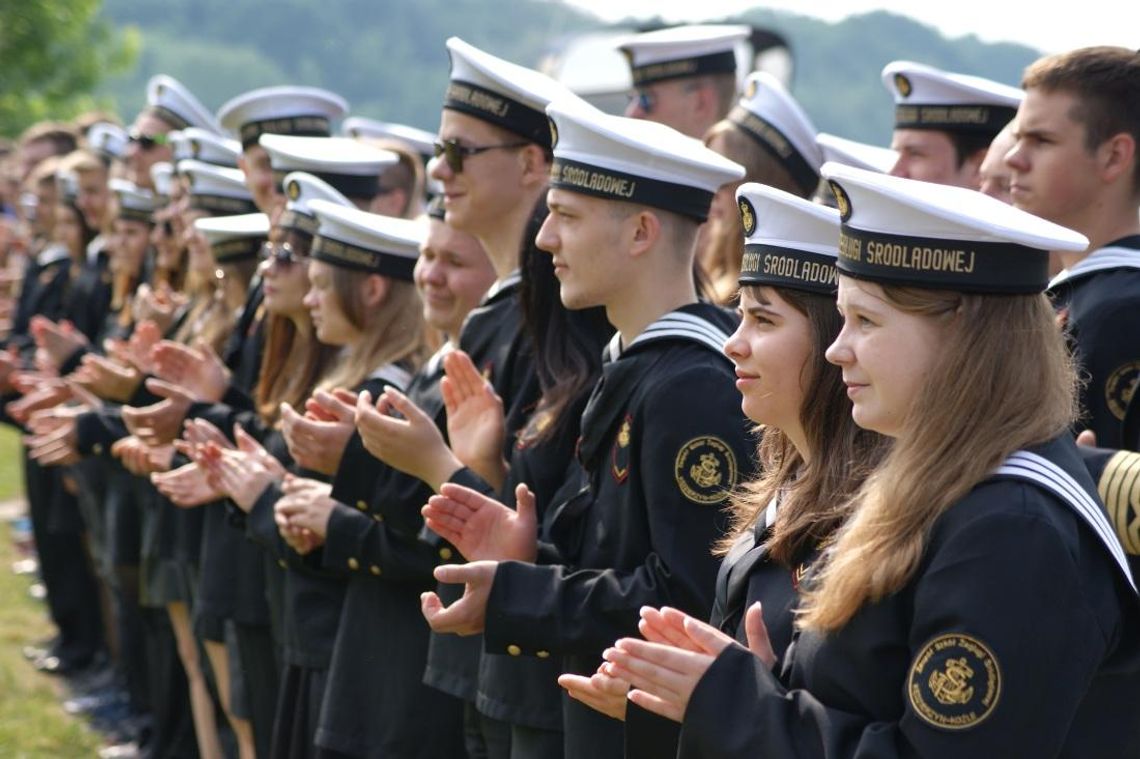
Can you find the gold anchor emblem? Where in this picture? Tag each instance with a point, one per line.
(706, 473)
(952, 685)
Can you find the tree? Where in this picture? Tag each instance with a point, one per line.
(53, 54)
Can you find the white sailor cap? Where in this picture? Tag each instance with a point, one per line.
(169, 99)
(301, 189)
(788, 241)
(300, 111)
(769, 114)
(205, 146)
(235, 238)
(919, 234)
(134, 203)
(683, 51)
(349, 165)
(368, 242)
(633, 160)
(216, 189)
(420, 140)
(108, 140)
(67, 186)
(162, 175)
(499, 92)
(857, 154)
(929, 98)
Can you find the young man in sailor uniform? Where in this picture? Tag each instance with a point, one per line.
(663, 438)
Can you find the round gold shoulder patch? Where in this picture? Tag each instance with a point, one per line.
(902, 84)
(705, 469)
(1119, 388)
(954, 682)
(842, 202)
(747, 217)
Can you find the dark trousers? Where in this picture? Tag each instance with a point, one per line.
(65, 566)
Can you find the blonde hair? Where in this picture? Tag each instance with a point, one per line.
(1002, 380)
(394, 329)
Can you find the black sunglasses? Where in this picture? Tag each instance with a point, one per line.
(147, 141)
(454, 153)
(281, 254)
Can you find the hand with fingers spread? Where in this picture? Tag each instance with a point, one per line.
(303, 512)
(197, 369)
(316, 440)
(242, 473)
(476, 426)
(159, 423)
(29, 381)
(159, 305)
(53, 443)
(412, 444)
(600, 691)
(468, 615)
(198, 432)
(136, 350)
(106, 378)
(664, 676)
(481, 527)
(136, 456)
(45, 397)
(187, 486)
(56, 342)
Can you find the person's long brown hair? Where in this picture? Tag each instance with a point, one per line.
(721, 242)
(1001, 380)
(395, 329)
(814, 495)
(293, 360)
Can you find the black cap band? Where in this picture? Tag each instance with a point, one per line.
(175, 121)
(615, 185)
(718, 63)
(296, 126)
(136, 214)
(235, 251)
(222, 205)
(786, 267)
(297, 222)
(778, 145)
(351, 256)
(985, 119)
(355, 186)
(498, 109)
(963, 265)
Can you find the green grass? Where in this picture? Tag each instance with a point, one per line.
(32, 723)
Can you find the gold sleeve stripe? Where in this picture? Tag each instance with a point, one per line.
(1119, 488)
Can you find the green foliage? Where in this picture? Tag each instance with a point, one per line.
(837, 65)
(388, 58)
(54, 53)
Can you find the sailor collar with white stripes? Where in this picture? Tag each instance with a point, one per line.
(675, 325)
(1118, 256)
(503, 285)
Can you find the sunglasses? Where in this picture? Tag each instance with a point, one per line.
(281, 254)
(645, 100)
(454, 153)
(147, 141)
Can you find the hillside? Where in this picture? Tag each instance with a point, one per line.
(388, 57)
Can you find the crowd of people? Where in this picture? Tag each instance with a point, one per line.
(688, 432)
